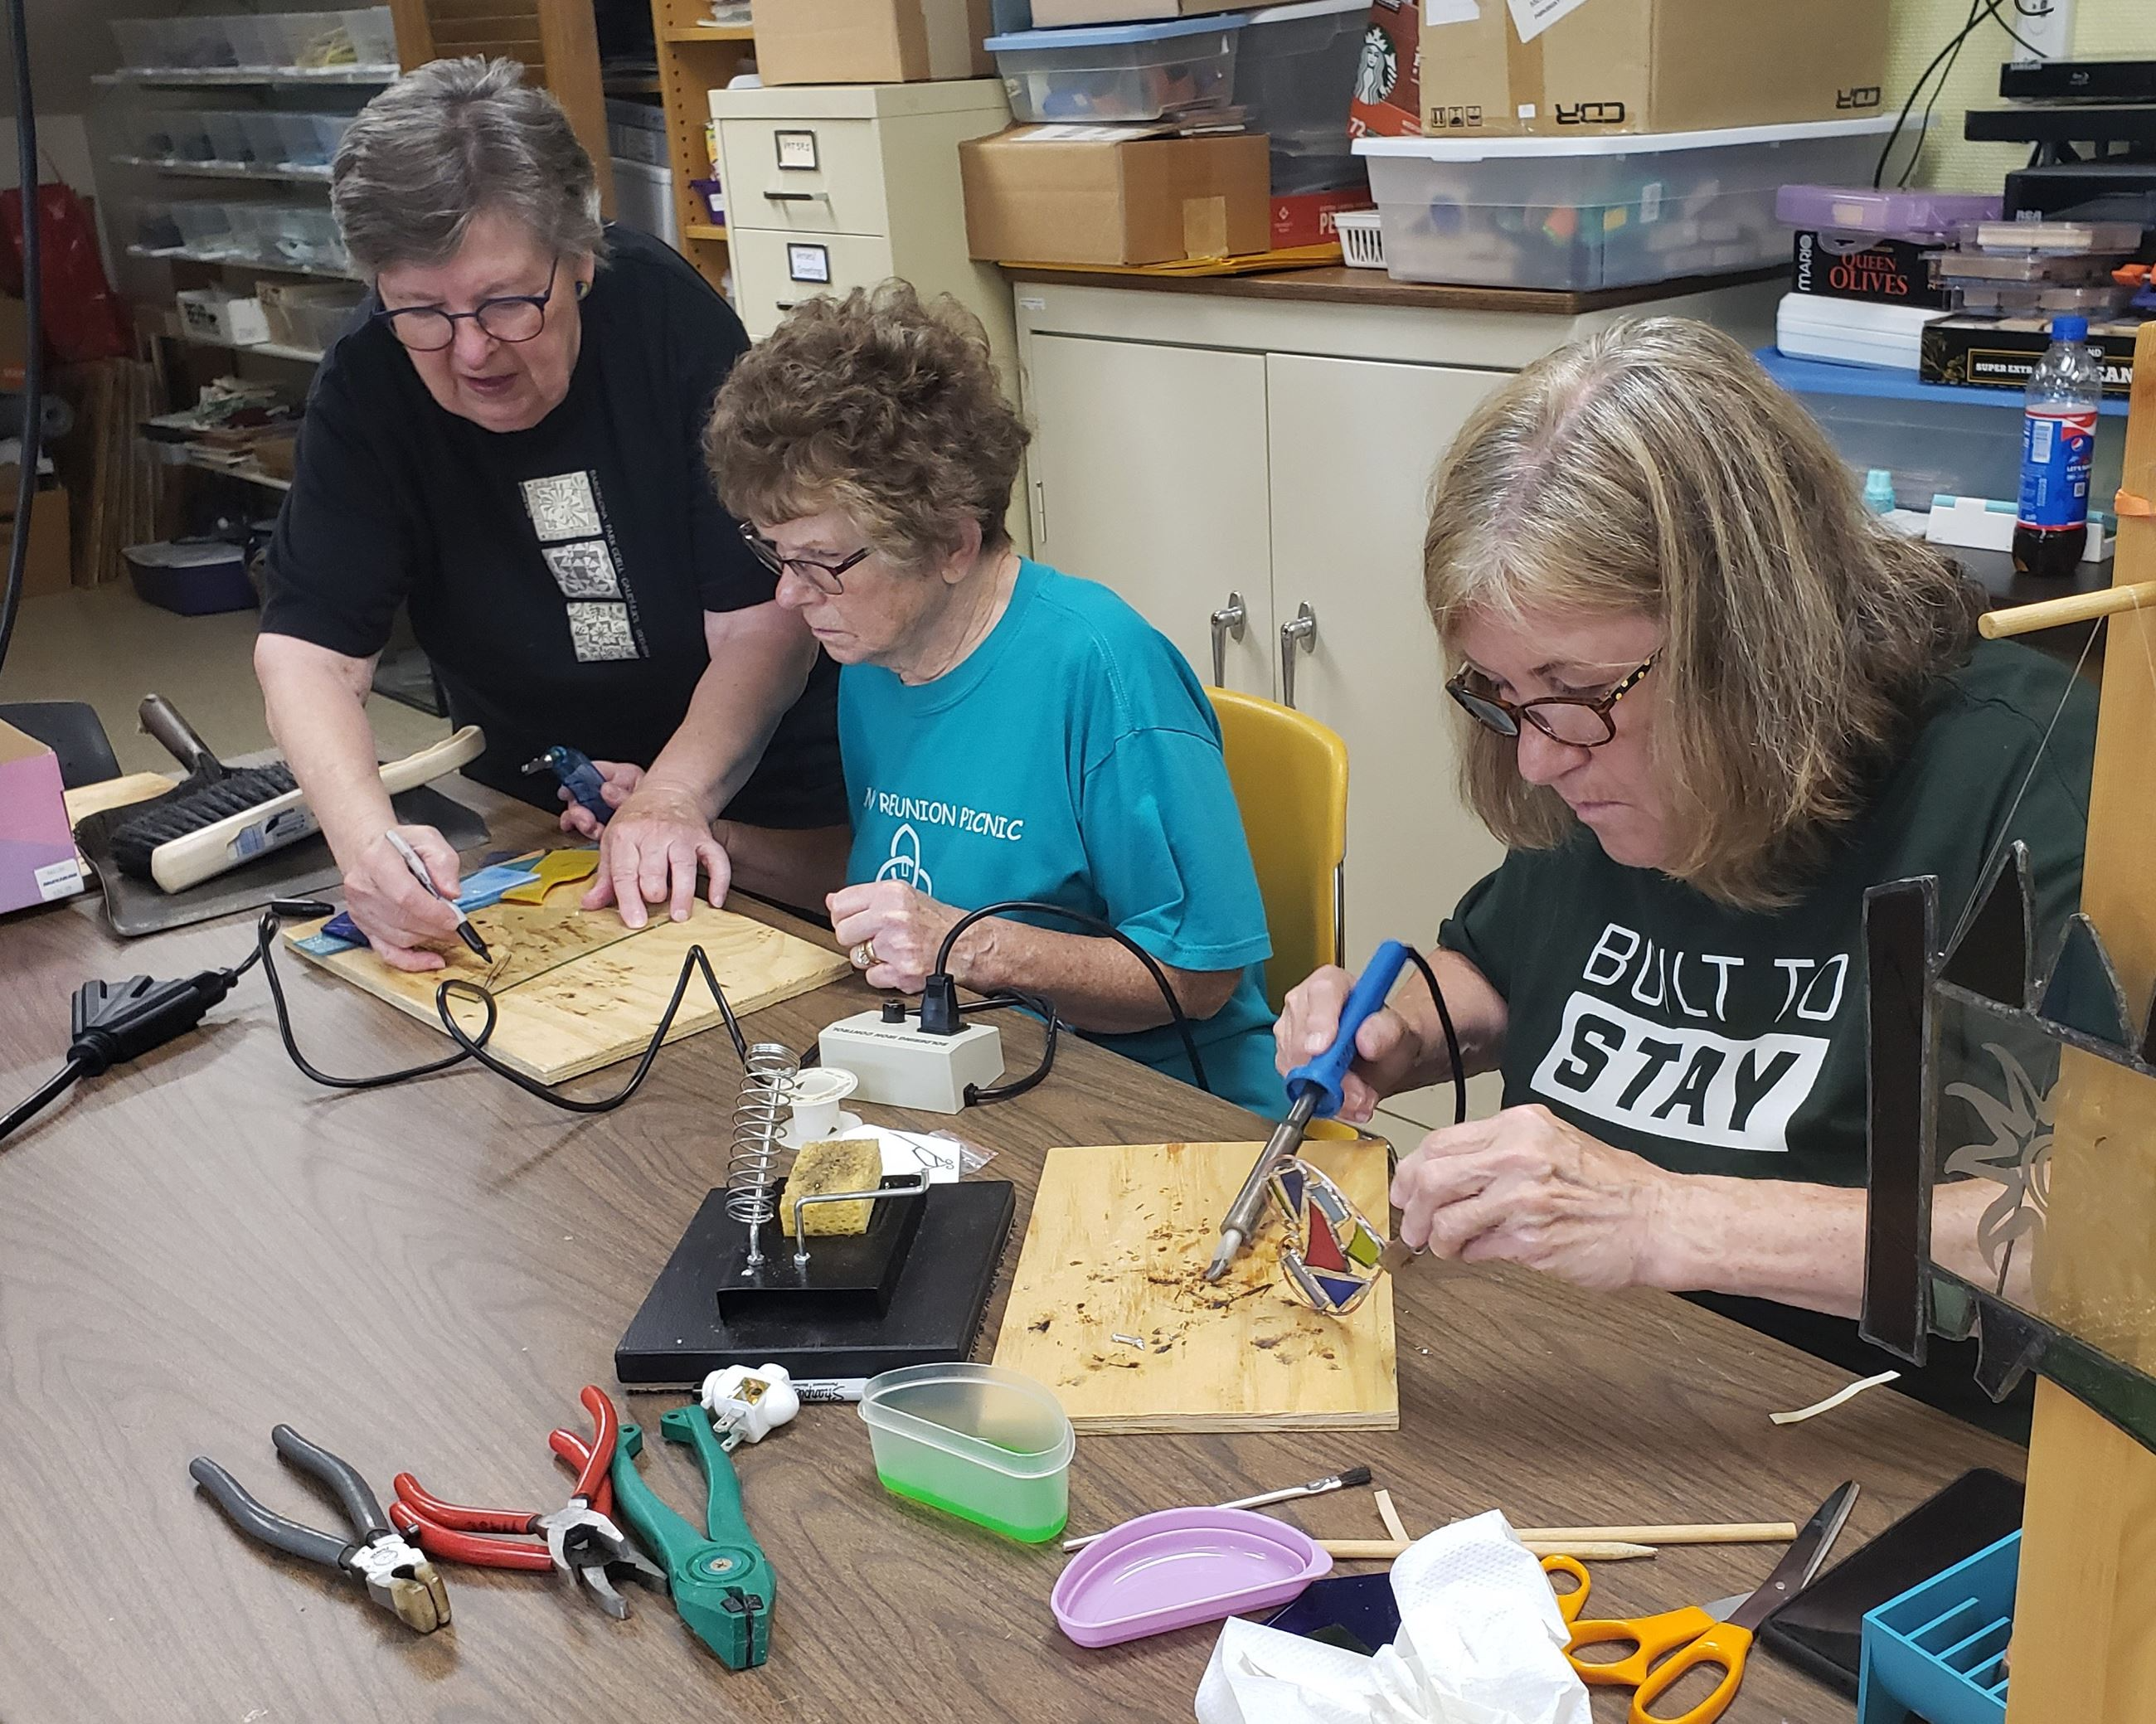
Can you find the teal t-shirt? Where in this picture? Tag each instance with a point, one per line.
(1072, 757)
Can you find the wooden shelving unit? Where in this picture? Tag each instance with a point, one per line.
(695, 59)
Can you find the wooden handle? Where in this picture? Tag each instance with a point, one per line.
(1713, 1532)
(2076, 607)
(1386, 1549)
(431, 764)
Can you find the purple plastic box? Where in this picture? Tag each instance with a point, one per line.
(1885, 212)
(1181, 1567)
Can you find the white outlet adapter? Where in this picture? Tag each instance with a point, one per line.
(899, 1065)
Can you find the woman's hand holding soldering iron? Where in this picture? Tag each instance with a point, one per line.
(403, 921)
(1387, 1048)
(896, 929)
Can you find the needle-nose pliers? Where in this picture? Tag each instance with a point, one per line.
(397, 1576)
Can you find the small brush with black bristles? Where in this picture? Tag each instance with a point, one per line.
(134, 844)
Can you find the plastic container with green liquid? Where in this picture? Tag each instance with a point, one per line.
(989, 1446)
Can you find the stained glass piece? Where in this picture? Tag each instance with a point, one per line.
(1289, 1178)
(1321, 1249)
(1337, 1290)
(2083, 993)
(1364, 1249)
(1994, 958)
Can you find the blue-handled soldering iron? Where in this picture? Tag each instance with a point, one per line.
(578, 777)
(1314, 1092)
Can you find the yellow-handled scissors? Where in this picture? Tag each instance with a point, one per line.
(1717, 1636)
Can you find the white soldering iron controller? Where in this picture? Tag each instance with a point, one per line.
(899, 1065)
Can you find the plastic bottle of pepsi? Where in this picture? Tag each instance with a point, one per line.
(2058, 437)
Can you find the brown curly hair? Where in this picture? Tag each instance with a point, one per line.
(1655, 468)
(879, 406)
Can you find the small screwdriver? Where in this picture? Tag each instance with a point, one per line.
(465, 931)
(577, 776)
(1314, 1090)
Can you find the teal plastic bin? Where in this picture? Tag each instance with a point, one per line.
(1936, 1652)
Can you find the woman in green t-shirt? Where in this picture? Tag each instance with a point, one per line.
(1707, 700)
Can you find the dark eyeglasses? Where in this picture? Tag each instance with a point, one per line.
(1576, 721)
(508, 317)
(822, 576)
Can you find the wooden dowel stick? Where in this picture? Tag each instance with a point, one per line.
(2076, 607)
(1386, 1550)
(1395, 1527)
(1718, 1532)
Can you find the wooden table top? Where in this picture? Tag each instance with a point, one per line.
(202, 1245)
(1342, 285)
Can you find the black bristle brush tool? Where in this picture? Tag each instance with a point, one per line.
(219, 819)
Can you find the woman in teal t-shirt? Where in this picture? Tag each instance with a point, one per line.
(1008, 731)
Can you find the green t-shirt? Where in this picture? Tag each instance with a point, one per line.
(1714, 1041)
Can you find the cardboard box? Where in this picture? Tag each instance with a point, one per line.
(1048, 13)
(1546, 68)
(1891, 272)
(871, 41)
(1388, 99)
(1305, 218)
(49, 567)
(37, 849)
(2003, 351)
(1037, 195)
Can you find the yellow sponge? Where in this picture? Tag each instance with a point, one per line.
(844, 1164)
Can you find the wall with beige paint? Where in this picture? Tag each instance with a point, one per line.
(2103, 29)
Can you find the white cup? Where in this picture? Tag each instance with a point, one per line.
(816, 1095)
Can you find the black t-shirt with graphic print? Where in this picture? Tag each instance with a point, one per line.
(1714, 1041)
(557, 577)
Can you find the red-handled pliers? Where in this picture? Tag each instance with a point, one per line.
(580, 1539)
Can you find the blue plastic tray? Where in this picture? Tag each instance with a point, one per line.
(1934, 1653)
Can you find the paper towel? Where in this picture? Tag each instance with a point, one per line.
(1482, 1641)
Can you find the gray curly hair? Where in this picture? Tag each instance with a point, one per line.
(448, 142)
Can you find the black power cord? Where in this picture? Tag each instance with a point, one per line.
(941, 1013)
(1942, 64)
(1451, 1037)
(115, 1022)
(34, 339)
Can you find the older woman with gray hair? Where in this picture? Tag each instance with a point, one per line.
(509, 442)
(1709, 701)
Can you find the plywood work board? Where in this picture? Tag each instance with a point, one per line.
(1118, 1243)
(576, 990)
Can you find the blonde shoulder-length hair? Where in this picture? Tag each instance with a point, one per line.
(1655, 468)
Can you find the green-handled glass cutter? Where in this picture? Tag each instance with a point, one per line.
(723, 1585)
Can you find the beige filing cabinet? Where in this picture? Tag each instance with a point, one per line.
(836, 185)
(1251, 473)
(830, 186)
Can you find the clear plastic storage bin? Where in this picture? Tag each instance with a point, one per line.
(201, 43)
(1882, 213)
(206, 226)
(1296, 73)
(258, 41)
(1600, 212)
(156, 228)
(309, 313)
(265, 139)
(229, 139)
(311, 140)
(146, 44)
(297, 236)
(1119, 71)
(332, 41)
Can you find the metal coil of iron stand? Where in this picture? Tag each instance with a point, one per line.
(760, 1113)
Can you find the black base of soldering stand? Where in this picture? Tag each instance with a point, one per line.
(852, 1318)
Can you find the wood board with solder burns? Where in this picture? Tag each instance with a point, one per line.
(1117, 1245)
(575, 990)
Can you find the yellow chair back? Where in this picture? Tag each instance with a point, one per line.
(1290, 778)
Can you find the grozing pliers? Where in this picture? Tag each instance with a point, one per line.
(397, 1576)
(723, 1584)
(579, 1541)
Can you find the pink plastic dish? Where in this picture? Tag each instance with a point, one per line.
(1180, 1567)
